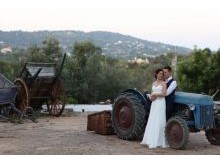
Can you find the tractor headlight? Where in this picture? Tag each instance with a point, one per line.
(192, 107)
(215, 107)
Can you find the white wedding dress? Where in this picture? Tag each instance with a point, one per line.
(154, 135)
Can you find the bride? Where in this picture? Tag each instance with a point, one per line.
(154, 135)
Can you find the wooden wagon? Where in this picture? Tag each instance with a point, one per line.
(39, 84)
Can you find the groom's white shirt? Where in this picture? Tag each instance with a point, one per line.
(172, 86)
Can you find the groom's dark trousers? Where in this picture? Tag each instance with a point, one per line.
(169, 106)
(169, 102)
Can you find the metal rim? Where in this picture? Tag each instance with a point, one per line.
(22, 99)
(175, 133)
(123, 115)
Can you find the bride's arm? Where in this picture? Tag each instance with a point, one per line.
(161, 94)
(152, 98)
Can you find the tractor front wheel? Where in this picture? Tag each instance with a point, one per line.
(177, 133)
(213, 135)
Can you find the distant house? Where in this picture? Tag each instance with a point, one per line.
(6, 50)
(139, 61)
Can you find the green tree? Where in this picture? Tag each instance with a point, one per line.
(78, 69)
(106, 78)
(95, 77)
(83, 50)
(199, 72)
(50, 51)
(214, 75)
(35, 54)
(8, 69)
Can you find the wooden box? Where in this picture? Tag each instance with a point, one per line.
(100, 122)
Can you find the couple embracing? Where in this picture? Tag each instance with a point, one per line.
(162, 97)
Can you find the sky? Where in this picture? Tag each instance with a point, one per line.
(186, 23)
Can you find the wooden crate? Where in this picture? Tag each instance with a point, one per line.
(91, 121)
(100, 122)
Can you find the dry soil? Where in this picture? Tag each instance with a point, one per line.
(67, 135)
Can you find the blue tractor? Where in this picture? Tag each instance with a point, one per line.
(193, 113)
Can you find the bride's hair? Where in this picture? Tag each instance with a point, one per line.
(157, 71)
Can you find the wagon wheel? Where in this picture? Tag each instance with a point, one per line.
(22, 99)
(177, 133)
(56, 101)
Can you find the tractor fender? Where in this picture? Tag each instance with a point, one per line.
(145, 102)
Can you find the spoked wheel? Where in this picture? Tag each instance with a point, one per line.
(177, 133)
(22, 99)
(56, 102)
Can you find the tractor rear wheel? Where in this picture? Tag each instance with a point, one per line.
(128, 116)
(177, 133)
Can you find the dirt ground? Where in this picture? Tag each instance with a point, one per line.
(67, 135)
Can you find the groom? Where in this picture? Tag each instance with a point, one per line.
(171, 88)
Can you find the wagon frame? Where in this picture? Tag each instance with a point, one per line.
(39, 84)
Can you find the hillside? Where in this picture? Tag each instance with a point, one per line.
(112, 44)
